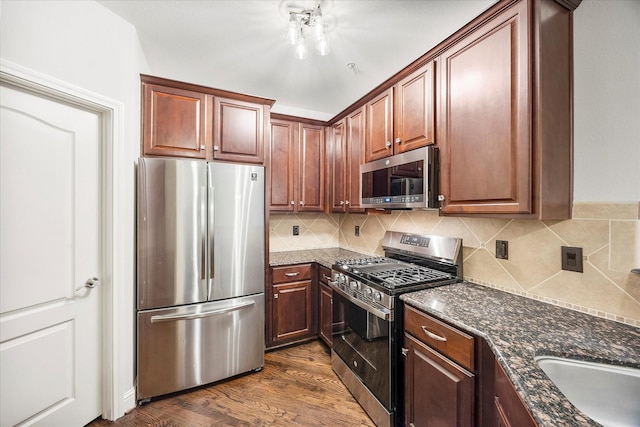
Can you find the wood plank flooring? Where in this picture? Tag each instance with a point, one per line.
(297, 387)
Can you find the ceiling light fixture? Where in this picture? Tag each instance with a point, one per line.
(307, 21)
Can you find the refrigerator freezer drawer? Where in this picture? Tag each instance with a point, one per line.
(184, 347)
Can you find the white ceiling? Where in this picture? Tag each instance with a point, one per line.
(239, 45)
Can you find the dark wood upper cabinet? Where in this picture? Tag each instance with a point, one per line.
(414, 122)
(185, 120)
(402, 117)
(238, 131)
(297, 167)
(345, 158)
(311, 174)
(284, 140)
(505, 121)
(174, 122)
(379, 112)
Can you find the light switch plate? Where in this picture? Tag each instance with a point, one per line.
(572, 259)
(502, 249)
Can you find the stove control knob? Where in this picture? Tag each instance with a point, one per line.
(377, 296)
(354, 285)
(368, 292)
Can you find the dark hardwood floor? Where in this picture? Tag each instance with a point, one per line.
(297, 387)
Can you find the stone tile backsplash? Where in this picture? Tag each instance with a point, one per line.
(608, 233)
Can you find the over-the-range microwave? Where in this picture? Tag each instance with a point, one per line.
(407, 180)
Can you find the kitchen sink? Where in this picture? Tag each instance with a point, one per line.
(608, 394)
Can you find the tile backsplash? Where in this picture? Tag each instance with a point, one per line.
(608, 233)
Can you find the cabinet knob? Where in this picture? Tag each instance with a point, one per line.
(293, 203)
(347, 202)
(216, 148)
(341, 203)
(275, 296)
(398, 140)
(301, 203)
(388, 144)
(202, 148)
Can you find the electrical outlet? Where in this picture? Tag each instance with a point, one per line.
(572, 259)
(357, 230)
(502, 249)
(296, 230)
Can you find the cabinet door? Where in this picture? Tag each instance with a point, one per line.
(292, 310)
(437, 391)
(238, 131)
(484, 128)
(510, 410)
(379, 126)
(338, 167)
(283, 142)
(355, 147)
(173, 122)
(414, 124)
(311, 174)
(326, 312)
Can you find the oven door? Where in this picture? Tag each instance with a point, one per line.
(361, 338)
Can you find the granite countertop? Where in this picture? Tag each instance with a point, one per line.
(517, 329)
(325, 257)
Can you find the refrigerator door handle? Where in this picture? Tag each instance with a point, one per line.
(190, 316)
(203, 234)
(211, 231)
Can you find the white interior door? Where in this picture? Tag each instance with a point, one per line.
(50, 355)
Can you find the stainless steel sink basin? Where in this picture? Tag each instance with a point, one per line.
(608, 394)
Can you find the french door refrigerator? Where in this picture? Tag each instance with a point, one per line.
(200, 273)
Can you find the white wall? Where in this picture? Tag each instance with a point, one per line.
(84, 44)
(607, 101)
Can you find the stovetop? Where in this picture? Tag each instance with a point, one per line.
(391, 273)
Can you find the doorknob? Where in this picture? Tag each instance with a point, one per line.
(90, 283)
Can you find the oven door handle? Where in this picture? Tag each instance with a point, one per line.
(384, 314)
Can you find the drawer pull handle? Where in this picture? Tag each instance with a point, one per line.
(432, 335)
(292, 274)
(326, 277)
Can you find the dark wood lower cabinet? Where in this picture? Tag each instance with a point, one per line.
(292, 312)
(292, 307)
(325, 309)
(437, 391)
(509, 408)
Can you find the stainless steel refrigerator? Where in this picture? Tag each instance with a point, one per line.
(200, 273)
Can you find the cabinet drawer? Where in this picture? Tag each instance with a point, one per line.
(291, 273)
(451, 342)
(324, 274)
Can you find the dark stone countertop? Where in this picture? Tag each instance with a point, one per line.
(325, 257)
(517, 329)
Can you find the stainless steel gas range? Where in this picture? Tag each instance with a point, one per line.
(367, 315)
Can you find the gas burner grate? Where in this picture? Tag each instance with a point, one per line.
(408, 276)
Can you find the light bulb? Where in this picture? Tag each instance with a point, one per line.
(292, 32)
(318, 28)
(322, 46)
(301, 48)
